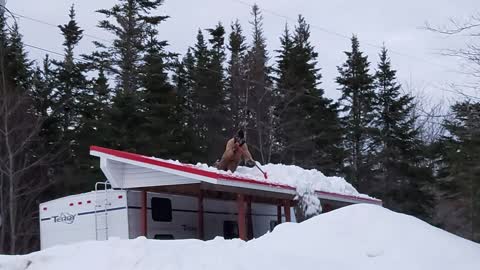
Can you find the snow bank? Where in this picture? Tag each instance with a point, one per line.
(290, 175)
(354, 237)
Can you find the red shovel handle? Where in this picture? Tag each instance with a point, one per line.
(264, 173)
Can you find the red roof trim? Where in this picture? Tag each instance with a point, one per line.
(218, 176)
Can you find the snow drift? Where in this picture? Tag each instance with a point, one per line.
(354, 237)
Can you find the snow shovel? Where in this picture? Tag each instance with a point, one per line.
(258, 167)
(264, 173)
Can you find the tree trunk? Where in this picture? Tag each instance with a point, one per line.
(12, 208)
(11, 189)
(2, 216)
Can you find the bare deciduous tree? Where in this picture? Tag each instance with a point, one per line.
(470, 53)
(429, 114)
(24, 162)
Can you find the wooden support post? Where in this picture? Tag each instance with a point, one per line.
(143, 220)
(242, 230)
(200, 225)
(288, 217)
(279, 214)
(249, 218)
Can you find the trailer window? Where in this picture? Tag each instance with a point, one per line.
(230, 229)
(161, 209)
(164, 237)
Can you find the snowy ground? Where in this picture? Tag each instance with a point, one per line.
(355, 237)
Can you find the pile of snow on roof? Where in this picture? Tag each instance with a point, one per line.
(290, 175)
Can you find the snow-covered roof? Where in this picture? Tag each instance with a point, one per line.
(129, 170)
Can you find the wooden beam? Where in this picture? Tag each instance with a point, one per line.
(279, 214)
(143, 220)
(249, 219)
(242, 230)
(200, 225)
(288, 217)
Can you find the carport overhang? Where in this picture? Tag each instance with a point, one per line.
(126, 170)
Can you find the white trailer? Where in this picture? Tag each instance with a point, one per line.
(99, 215)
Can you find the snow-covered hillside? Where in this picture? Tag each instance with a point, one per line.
(355, 237)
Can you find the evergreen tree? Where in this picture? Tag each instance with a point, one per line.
(18, 66)
(93, 103)
(258, 111)
(216, 117)
(66, 119)
(207, 98)
(130, 22)
(183, 77)
(159, 98)
(198, 96)
(237, 82)
(18, 69)
(285, 74)
(184, 111)
(310, 132)
(460, 170)
(45, 97)
(43, 86)
(357, 100)
(70, 81)
(403, 178)
(184, 85)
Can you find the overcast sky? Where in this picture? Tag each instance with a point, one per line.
(397, 24)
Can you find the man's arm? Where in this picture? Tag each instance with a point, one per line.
(246, 154)
(229, 149)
